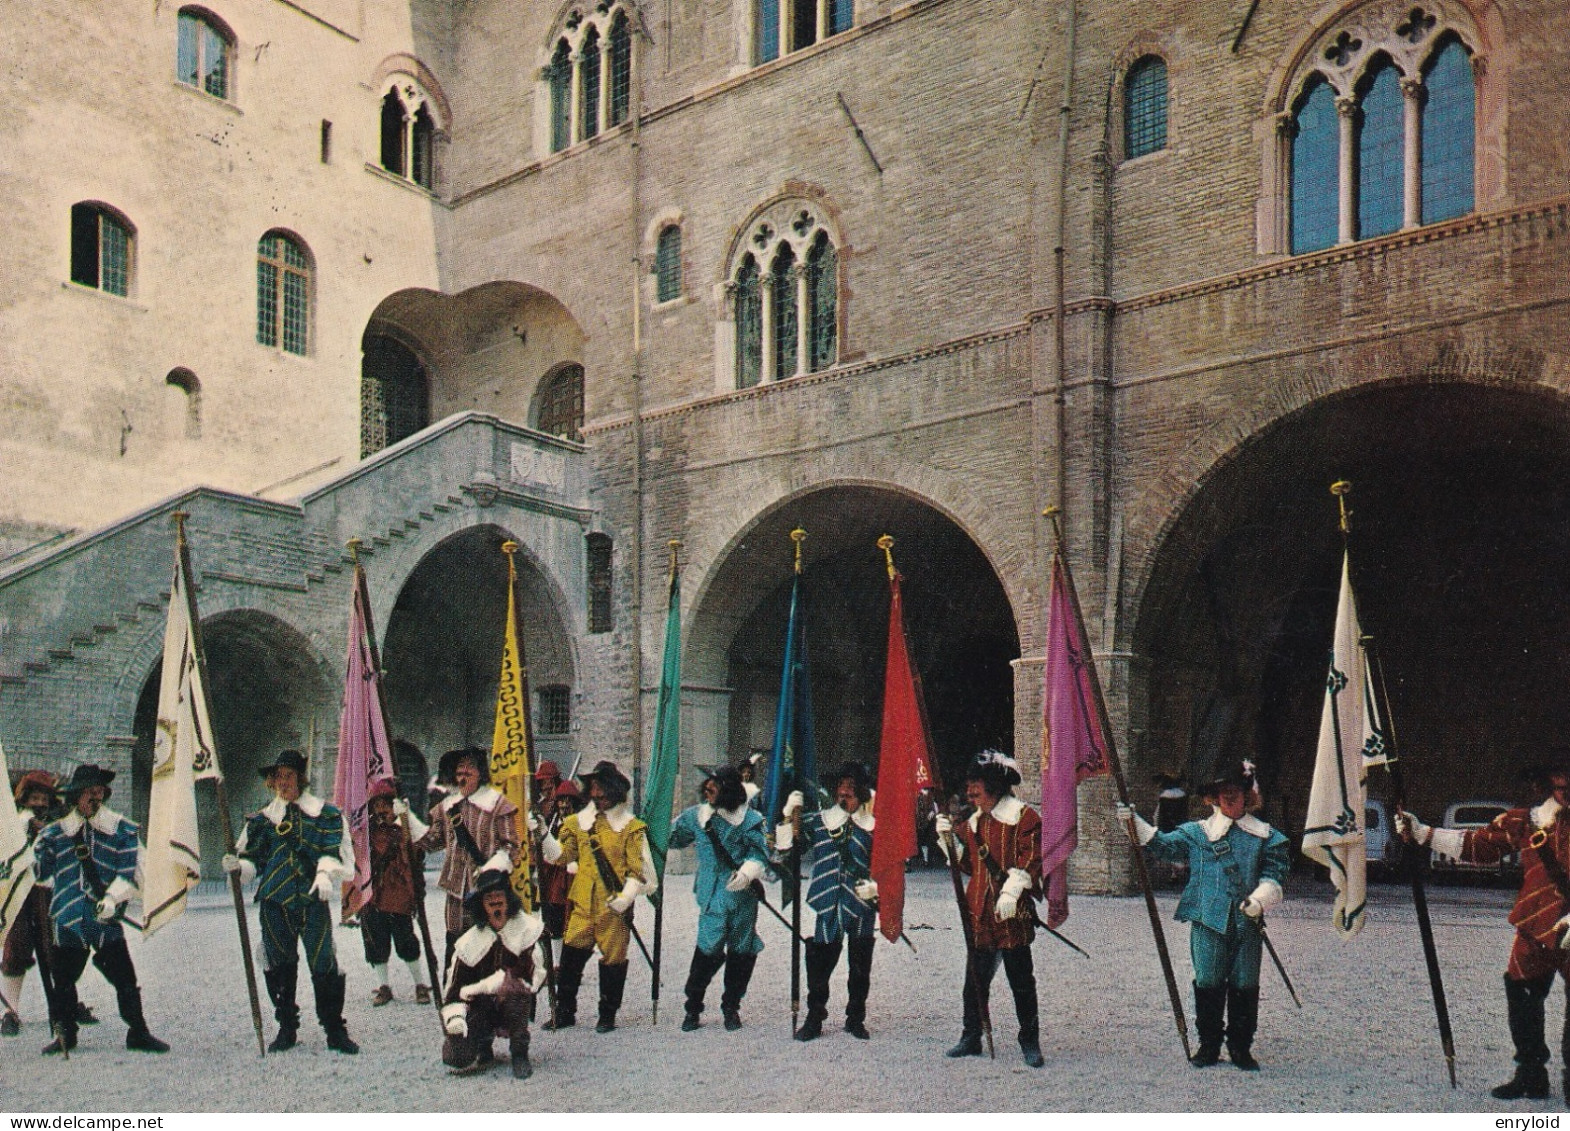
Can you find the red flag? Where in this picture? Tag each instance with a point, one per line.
(1072, 745)
(904, 766)
(364, 755)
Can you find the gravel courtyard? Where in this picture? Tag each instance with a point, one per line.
(1364, 1040)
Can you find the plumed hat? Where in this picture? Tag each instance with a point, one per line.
(287, 760)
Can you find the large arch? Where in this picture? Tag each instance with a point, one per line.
(1460, 542)
(269, 690)
(962, 627)
(443, 645)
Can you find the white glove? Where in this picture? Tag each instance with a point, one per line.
(231, 862)
(1125, 812)
(1563, 927)
(620, 903)
(1410, 828)
(737, 882)
(400, 808)
(867, 891)
(534, 823)
(1251, 907)
(458, 1025)
(106, 909)
(572, 869)
(793, 803)
(943, 825)
(487, 985)
(322, 886)
(1008, 903)
(537, 979)
(744, 876)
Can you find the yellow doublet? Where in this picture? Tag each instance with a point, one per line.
(590, 921)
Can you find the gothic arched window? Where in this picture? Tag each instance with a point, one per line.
(785, 296)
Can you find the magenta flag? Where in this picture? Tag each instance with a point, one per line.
(364, 755)
(1073, 746)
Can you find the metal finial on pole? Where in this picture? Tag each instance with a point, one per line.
(1051, 515)
(354, 545)
(179, 518)
(675, 545)
(798, 536)
(886, 544)
(1341, 488)
(510, 548)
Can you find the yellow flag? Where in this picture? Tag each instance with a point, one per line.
(510, 772)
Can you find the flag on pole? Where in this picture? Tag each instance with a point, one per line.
(183, 753)
(1351, 739)
(16, 857)
(1073, 746)
(660, 790)
(793, 763)
(904, 768)
(512, 739)
(364, 754)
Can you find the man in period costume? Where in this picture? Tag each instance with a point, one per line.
(546, 779)
(842, 894)
(30, 934)
(732, 854)
(611, 850)
(556, 879)
(87, 861)
(493, 979)
(1237, 865)
(1000, 846)
(1541, 915)
(748, 769)
(477, 828)
(397, 886)
(299, 846)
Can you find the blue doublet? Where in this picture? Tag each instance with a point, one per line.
(839, 858)
(109, 841)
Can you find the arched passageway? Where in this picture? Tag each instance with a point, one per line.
(962, 629)
(443, 646)
(1461, 562)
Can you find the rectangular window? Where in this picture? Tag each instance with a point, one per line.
(766, 33)
(841, 15)
(327, 142)
(267, 304)
(84, 245)
(185, 53)
(100, 250)
(294, 312)
(115, 258)
(599, 552)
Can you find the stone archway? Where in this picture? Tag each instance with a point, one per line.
(1460, 543)
(443, 645)
(269, 691)
(962, 629)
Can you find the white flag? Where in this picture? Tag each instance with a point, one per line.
(182, 753)
(16, 858)
(1351, 738)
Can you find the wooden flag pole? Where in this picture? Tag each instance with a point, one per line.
(224, 815)
(798, 536)
(1425, 927)
(1116, 765)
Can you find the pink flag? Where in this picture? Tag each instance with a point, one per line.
(1073, 747)
(364, 755)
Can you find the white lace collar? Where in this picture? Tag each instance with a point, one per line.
(835, 817)
(518, 934)
(616, 817)
(1217, 824)
(1544, 814)
(106, 821)
(1007, 811)
(309, 804)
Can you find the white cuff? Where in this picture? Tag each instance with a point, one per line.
(499, 862)
(490, 984)
(456, 1009)
(550, 848)
(1143, 829)
(329, 866)
(1015, 885)
(120, 891)
(630, 889)
(1267, 894)
(1448, 842)
(784, 836)
(417, 828)
(247, 871)
(752, 869)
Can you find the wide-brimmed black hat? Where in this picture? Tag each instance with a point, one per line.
(487, 880)
(610, 777)
(1238, 774)
(447, 764)
(286, 760)
(857, 772)
(85, 777)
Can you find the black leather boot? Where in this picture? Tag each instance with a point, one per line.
(1210, 1005)
(569, 976)
(1524, 1002)
(280, 990)
(699, 975)
(329, 990)
(1242, 1023)
(613, 980)
(857, 987)
(738, 975)
(821, 959)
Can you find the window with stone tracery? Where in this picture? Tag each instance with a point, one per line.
(409, 130)
(588, 81)
(782, 26)
(784, 297)
(1379, 131)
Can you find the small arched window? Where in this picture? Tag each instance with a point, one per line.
(667, 264)
(560, 411)
(558, 76)
(186, 381)
(204, 55)
(394, 394)
(589, 86)
(621, 72)
(394, 119)
(102, 247)
(283, 293)
(785, 295)
(1145, 107)
(408, 133)
(598, 551)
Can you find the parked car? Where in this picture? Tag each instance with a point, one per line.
(1475, 814)
(1383, 846)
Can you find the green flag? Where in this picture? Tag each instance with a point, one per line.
(660, 791)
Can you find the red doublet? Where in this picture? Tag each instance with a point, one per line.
(1540, 904)
(1010, 846)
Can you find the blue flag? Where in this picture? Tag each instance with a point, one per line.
(794, 762)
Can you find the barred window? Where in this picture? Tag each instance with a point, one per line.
(621, 72)
(555, 709)
(394, 394)
(101, 246)
(204, 53)
(1145, 107)
(589, 86)
(560, 411)
(598, 550)
(283, 293)
(667, 264)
